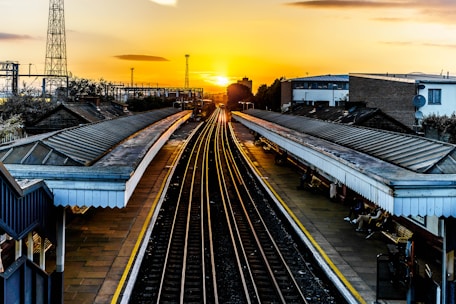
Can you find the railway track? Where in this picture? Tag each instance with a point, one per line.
(217, 237)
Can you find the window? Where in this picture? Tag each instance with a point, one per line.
(434, 96)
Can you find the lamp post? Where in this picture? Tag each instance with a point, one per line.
(132, 69)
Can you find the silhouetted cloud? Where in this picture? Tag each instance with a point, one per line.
(435, 11)
(390, 19)
(7, 36)
(140, 58)
(415, 44)
(350, 4)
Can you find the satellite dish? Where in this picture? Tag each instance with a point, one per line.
(418, 115)
(419, 101)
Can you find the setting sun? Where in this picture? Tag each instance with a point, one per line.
(221, 81)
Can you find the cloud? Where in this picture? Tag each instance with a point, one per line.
(434, 11)
(6, 36)
(140, 58)
(390, 19)
(415, 44)
(350, 4)
(165, 2)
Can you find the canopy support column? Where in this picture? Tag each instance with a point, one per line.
(57, 281)
(444, 260)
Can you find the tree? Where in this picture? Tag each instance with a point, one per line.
(238, 92)
(147, 104)
(268, 98)
(81, 87)
(28, 107)
(261, 97)
(440, 127)
(11, 127)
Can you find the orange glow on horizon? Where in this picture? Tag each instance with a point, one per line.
(286, 39)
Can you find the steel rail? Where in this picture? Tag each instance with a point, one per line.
(263, 223)
(225, 197)
(179, 205)
(232, 169)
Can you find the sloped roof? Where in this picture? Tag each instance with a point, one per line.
(86, 111)
(415, 153)
(95, 165)
(354, 115)
(78, 146)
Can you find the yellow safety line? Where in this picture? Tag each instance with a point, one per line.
(317, 246)
(309, 236)
(140, 238)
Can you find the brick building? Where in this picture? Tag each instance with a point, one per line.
(407, 98)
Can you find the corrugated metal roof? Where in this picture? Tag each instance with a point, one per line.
(419, 154)
(79, 146)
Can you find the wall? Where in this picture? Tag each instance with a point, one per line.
(395, 98)
(448, 104)
(285, 94)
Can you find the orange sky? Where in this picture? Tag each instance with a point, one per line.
(231, 39)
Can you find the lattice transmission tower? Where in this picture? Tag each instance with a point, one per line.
(56, 56)
(186, 85)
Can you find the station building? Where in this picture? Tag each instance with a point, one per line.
(329, 90)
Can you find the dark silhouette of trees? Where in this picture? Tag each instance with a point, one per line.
(268, 98)
(238, 92)
(147, 104)
(28, 107)
(440, 127)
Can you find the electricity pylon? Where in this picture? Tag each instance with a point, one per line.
(186, 71)
(56, 57)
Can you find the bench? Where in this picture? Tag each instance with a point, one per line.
(398, 234)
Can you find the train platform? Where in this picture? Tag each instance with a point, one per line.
(100, 242)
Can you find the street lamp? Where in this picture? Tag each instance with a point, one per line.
(132, 69)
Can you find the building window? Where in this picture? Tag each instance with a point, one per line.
(434, 96)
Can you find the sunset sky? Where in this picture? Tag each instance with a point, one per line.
(231, 39)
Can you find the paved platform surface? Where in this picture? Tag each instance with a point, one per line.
(99, 243)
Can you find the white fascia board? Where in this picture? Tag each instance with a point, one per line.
(397, 190)
(79, 186)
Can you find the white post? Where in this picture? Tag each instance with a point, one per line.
(43, 253)
(18, 248)
(444, 260)
(58, 288)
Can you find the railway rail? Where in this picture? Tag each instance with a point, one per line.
(217, 238)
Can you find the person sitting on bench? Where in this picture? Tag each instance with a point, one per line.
(356, 208)
(364, 219)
